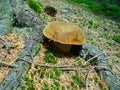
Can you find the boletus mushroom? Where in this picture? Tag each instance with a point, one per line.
(64, 35)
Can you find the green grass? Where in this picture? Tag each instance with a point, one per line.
(51, 74)
(79, 61)
(102, 87)
(50, 57)
(104, 8)
(93, 24)
(106, 34)
(27, 84)
(116, 38)
(78, 81)
(35, 5)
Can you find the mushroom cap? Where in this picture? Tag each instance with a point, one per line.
(65, 33)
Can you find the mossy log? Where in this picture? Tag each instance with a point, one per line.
(23, 14)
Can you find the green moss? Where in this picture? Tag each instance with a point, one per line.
(35, 5)
(96, 79)
(116, 37)
(27, 84)
(57, 72)
(110, 43)
(50, 57)
(78, 80)
(106, 34)
(92, 23)
(101, 86)
(118, 55)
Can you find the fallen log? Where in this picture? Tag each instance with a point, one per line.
(6, 17)
(89, 51)
(25, 15)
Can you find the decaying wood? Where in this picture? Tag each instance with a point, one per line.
(91, 51)
(24, 15)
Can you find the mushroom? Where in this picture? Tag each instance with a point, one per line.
(64, 35)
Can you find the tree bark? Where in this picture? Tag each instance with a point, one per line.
(24, 15)
(106, 73)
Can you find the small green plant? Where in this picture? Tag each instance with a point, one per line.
(50, 57)
(35, 5)
(53, 74)
(110, 43)
(96, 79)
(106, 34)
(118, 55)
(45, 85)
(56, 85)
(116, 37)
(78, 80)
(28, 83)
(92, 23)
(101, 86)
(57, 74)
(78, 59)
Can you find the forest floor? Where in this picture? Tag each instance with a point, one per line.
(99, 31)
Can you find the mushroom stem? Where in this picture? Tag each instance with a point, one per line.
(63, 47)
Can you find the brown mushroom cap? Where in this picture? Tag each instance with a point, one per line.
(65, 33)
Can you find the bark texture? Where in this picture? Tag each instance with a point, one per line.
(106, 73)
(24, 15)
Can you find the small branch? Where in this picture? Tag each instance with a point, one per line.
(2, 41)
(87, 77)
(72, 69)
(64, 68)
(93, 57)
(8, 64)
(90, 70)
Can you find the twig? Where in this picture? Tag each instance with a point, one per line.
(64, 68)
(94, 57)
(8, 64)
(42, 65)
(73, 63)
(103, 67)
(87, 77)
(90, 70)
(72, 69)
(2, 41)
